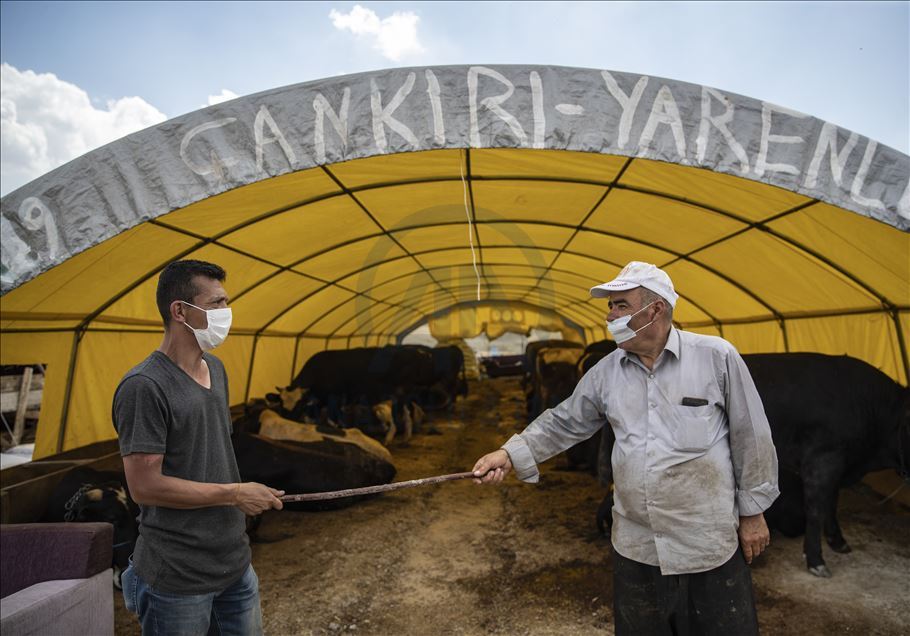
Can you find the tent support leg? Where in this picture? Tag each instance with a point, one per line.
(249, 372)
(71, 371)
(901, 343)
(294, 360)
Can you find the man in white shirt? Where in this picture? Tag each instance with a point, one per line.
(694, 466)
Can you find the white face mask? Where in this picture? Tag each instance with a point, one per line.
(620, 329)
(219, 324)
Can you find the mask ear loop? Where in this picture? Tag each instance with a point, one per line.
(653, 320)
(186, 322)
(183, 312)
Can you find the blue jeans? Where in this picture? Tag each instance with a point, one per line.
(234, 611)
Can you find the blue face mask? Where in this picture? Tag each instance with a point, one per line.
(620, 329)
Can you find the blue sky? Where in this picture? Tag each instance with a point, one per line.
(79, 74)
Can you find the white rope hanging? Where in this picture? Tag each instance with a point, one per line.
(467, 211)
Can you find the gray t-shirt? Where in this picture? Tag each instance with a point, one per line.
(159, 409)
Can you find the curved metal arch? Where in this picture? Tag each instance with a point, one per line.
(591, 315)
(615, 184)
(716, 321)
(473, 303)
(592, 257)
(398, 327)
(566, 302)
(409, 274)
(280, 268)
(534, 222)
(366, 211)
(610, 185)
(385, 299)
(600, 201)
(678, 255)
(443, 249)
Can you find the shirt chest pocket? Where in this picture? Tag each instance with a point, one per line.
(693, 427)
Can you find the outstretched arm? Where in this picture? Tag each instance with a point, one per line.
(492, 467)
(148, 486)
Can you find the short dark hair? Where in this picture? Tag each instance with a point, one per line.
(176, 283)
(648, 296)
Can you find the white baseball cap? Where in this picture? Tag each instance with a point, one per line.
(638, 274)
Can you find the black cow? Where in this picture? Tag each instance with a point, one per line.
(374, 420)
(601, 346)
(380, 421)
(502, 366)
(587, 361)
(384, 421)
(334, 378)
(833, 420)
(788, 512)
(531, 350)
(88, 495)
(590, 453)
(447, 381)
(448, 376)
(594, 353)
(302, 467)
(530, 380)
(556, 378)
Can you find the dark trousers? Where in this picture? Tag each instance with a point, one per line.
(719, 601)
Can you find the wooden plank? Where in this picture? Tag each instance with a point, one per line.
(10, 401)
(10, 383)
(22, 406)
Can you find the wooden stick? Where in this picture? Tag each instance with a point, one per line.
(369, 490)
(22, 405)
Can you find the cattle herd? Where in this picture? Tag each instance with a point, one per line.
(833, 419)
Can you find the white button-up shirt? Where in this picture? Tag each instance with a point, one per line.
(682, 474)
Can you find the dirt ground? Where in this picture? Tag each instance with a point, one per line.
(456, 558)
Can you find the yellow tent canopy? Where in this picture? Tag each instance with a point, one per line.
(351, 210)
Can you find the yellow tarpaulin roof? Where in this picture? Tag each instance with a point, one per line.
(358, 252)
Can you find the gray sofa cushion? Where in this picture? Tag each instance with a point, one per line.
(73, 606)
(34, 552)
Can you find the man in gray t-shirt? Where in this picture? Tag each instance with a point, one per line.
(190, 572)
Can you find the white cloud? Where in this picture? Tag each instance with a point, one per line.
(45, 122)
(395, 36)
(223, 96)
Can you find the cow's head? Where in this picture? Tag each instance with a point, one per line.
(290, 396)
(110, 503)
(382, 411)
(273, 400)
